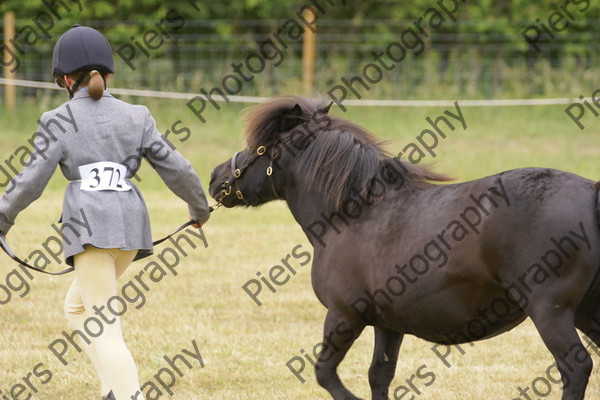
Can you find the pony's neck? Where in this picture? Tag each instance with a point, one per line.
(316, 218)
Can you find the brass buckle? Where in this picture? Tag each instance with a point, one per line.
(261, 150)
(225, 193)
(269, 170)
(237, 173)
(239, 195)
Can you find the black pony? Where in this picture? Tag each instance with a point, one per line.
(450, 263)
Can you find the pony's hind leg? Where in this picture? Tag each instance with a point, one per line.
(587, 317)
(338, 336)
(587, 320)
(383, 366)
(557, 329)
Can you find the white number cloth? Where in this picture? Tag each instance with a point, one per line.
(104, 175)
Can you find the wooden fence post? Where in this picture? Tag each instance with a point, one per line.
(9, 33)
(308, 59)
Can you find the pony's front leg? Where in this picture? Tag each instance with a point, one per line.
(383, 366)
(338, 335)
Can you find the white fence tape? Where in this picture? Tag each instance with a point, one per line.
(367, 103)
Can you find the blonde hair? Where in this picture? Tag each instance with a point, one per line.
(94, 81)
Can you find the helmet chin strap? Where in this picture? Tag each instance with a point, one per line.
(73, 89)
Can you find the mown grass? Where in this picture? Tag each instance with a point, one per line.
(245, 347)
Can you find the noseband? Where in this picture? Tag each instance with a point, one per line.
(228, 186)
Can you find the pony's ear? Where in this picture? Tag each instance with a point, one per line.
(325, 109)
(291, 118)
(296, 111)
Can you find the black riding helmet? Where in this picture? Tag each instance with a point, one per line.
(81, 49)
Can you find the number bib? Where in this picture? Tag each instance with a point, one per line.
(104, 175)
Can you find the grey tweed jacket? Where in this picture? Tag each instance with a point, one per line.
(84, 131)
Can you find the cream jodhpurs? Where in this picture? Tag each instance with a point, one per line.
(96, 273)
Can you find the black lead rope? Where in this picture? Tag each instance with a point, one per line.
(11, 254)
(159, 241)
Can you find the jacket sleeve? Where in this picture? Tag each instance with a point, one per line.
(28, 185)
(174, 169)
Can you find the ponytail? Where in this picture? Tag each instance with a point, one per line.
(96, 85)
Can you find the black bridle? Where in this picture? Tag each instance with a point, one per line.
(233, 184)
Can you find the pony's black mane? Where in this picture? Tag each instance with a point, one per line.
(340, 158)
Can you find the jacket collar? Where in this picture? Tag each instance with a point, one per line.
(81, 94)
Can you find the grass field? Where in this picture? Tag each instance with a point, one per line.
(245, 347)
